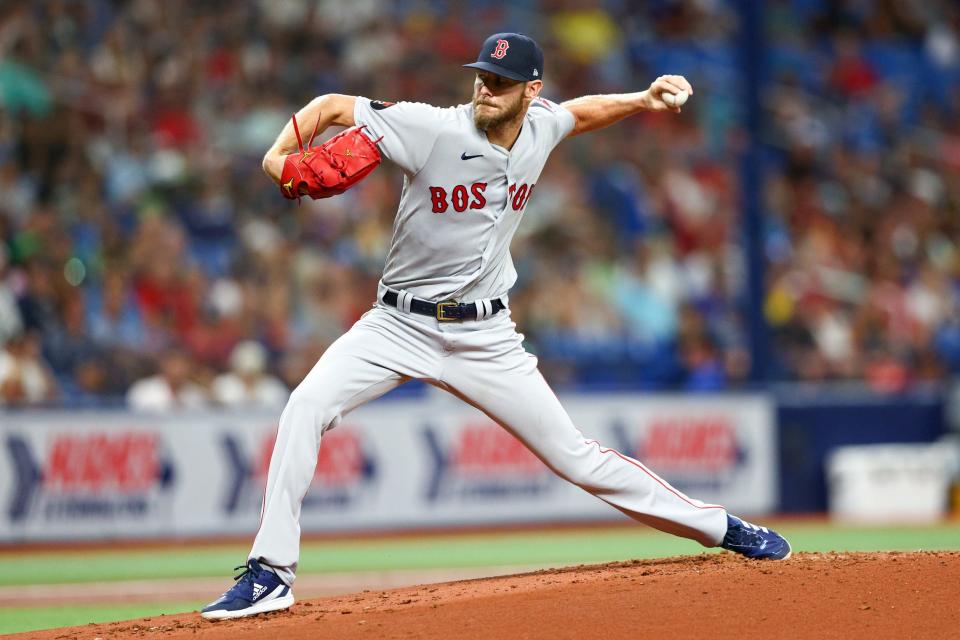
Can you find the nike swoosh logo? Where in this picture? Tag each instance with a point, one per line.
(464, 156)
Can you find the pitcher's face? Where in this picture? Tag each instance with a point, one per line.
(496, 100)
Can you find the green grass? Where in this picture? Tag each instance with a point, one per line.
(443, 551)
(561, 547)
(34, 618)
(823, 537)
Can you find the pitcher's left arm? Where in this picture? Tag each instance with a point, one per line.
(596, 112)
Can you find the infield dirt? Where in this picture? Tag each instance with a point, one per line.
(812, 595)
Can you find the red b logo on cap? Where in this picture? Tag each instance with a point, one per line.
(501, 51)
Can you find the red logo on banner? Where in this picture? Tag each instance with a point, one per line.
(339, 463)
(704, 444)
(341, 459)
(126, 462)
(486, 449)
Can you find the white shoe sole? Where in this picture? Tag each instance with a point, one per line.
(277, 604)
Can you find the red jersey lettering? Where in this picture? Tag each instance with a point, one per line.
(460, 198)
(519, 197)
(479, 200)
(439, 197)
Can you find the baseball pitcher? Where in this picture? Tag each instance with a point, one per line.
(442, 312)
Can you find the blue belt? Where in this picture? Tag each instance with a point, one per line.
(444, 311)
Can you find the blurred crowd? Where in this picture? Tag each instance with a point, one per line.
(145, 258)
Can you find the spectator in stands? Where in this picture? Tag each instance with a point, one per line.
(703, 369)
(247, 384)
(135, 150)
(170, 389)
(25, 378)
(113, 315)
(11, 324)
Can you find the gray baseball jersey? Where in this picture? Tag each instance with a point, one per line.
(463, 197)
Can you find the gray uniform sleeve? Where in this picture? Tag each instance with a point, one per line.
(558, 121)
(408, 129)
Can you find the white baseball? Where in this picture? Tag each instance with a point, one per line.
(675, 99)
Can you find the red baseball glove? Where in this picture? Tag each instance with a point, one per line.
(330, 169)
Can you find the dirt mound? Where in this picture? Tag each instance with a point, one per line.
(848, 595)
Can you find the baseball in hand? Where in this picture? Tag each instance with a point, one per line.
(674, 99)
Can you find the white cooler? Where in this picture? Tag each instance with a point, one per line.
(889, 483)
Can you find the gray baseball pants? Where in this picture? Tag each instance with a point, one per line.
(484, 363)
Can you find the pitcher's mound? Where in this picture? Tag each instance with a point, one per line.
(812, 595)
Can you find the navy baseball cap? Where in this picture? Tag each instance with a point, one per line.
(511, 55)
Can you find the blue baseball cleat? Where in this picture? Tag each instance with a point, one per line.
(257, 590)
(758, 543)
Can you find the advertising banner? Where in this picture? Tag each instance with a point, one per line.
(391, 464)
